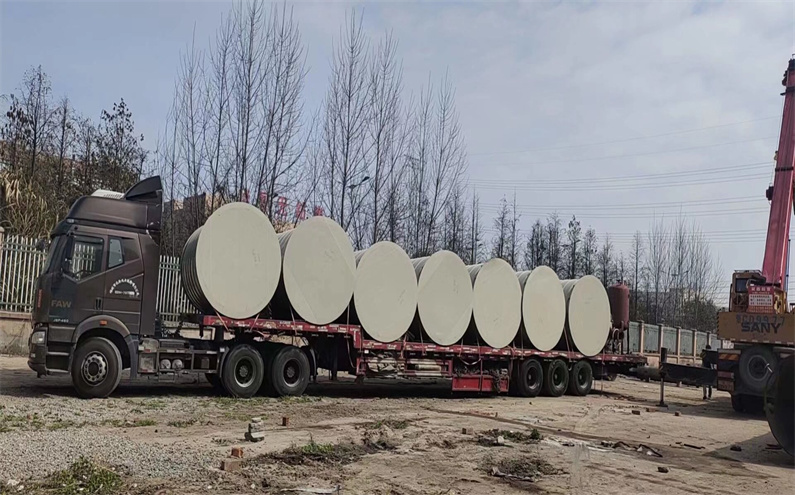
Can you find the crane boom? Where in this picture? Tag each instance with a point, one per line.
(774, 266)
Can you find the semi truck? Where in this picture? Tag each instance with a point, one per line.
(95, 315)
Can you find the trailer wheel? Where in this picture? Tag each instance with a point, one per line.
(756, 365)
(529, 378)
(556, 378)
(242, 371)
(96, 369)
(289, 371)
(581, 378)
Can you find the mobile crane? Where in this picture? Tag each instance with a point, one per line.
(759, 371)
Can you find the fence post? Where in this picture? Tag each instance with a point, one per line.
(642, 347)
(679, 341)
(695, 337)
(2, 244)
(660, 335)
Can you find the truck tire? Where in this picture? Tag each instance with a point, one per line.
(242, 371)
(556, 378)
(529, 378)
(756, 366)
(580, 379)
(96, 368)
(289, 371)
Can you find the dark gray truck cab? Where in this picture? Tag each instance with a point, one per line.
(99, 284)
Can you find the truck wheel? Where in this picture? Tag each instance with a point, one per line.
(242, 371)
(96, 368)
(581, 378)
(756, 365)
(529, 378)
(556, 378)
(289, 371)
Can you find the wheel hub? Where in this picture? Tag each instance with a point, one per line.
(291, 373)
(243, 373)
(95, 368)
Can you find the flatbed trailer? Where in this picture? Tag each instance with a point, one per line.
(346, 347)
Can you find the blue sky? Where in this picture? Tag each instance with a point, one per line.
(534, 82)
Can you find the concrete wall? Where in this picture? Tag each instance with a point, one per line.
(15, 329)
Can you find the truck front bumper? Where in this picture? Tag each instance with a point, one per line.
(37, 358)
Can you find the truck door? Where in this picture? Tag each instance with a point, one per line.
(124, 280)
(77, 290)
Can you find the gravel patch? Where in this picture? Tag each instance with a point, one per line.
(35, 454)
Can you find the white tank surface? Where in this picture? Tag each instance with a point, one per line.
(444, 298)
(588, 309)
(231, 264)
(543, 307)
(385, 291)
(318, 269)
(497, 302)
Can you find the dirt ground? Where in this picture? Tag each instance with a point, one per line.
(394, 438)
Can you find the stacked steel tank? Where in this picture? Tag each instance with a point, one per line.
(237, 266)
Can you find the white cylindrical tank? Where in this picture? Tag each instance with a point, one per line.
(444, 297)
(543, 307)
(318, 270)
(385, 291)
(231, 264)
(497, 302)
(588, 314)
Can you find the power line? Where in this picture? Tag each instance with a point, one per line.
(635, 206)
(618, 187)
(582, 145)
(632, 155)
(587, 180)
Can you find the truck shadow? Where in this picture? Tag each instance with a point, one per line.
(762, 450)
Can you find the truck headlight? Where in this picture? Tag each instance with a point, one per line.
(37, 337)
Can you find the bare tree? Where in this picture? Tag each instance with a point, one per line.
(346, 122)
(475, 235)
(35, 95)
(387, 134)
(248, 71)
(636, 259)
(657, 263)
(447, 160)
(282, 145)
(553, 234)
(589, 252)
(606, 262)
(217, 111)
(573, 241)
(502, 231)
(536, 247)
(513, 245)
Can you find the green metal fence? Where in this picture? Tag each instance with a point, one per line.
(21, 263)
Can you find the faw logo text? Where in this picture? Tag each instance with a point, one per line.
(57, 303)
(762, 324)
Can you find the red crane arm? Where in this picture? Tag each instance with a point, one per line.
(774, 267)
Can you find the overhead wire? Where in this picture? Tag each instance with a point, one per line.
(624, 140)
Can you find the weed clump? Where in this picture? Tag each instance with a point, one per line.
(84, 477)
